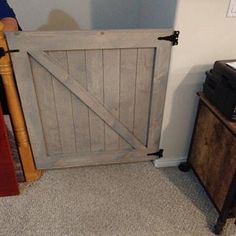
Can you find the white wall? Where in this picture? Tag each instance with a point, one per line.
(206, 36)
(157, 13)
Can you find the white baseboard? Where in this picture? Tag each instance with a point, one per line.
(168, 162)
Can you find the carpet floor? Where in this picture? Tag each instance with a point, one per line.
(128, 199)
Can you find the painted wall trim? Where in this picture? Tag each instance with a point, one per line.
(169, 162)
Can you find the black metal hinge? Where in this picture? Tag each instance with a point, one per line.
(174, 38)
(158, 154)
(3, 52)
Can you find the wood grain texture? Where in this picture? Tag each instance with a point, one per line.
(213, 155)
(128, 70)
(229, 124)
(158, 94)
(95, 83)
(143, 92)
(75, 40)
(111, 64)
(46, 102)
(97, 158)
(86, 97)
(63, 103)
(77, 68)
(29, 102)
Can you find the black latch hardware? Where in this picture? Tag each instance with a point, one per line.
(174, 38)
(3, 52)
(159, 154)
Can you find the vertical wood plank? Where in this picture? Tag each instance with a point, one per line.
(159, 86)
(111, 94)
(45, 96)
(128, 68)
(142, 93)
(64, 107)
(77, 68)
(94, 68)
(25, 84)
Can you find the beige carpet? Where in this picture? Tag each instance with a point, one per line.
(131, 199)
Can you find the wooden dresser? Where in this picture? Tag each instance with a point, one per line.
(212, 156)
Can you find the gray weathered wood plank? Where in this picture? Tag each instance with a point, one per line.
(86, 97)
(97, 158)
(95, 39)
(30, 105)
(46, 102)
(111, 65)
(94, 69)
(142, 93)
(64, 107)
(159, 86)
(128, 70)
(77, 68)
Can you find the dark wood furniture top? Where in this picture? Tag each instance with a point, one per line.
(231, 125)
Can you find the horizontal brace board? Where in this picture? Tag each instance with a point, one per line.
(96, 158)
(77, 40)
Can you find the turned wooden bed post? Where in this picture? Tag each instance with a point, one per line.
(18, 123)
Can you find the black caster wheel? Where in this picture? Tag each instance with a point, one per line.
(184, 167)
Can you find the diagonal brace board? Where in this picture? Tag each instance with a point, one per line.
(69, 82)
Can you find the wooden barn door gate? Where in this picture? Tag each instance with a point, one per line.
(92, 97)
